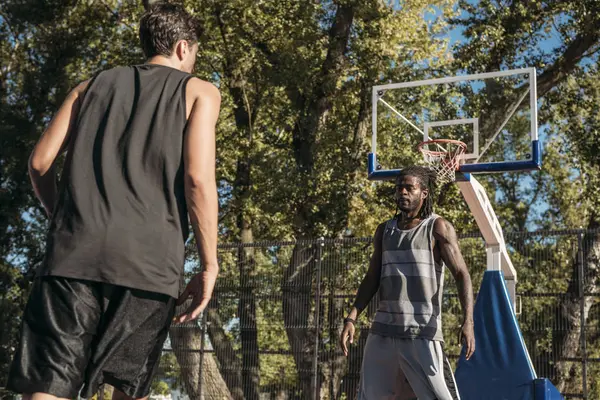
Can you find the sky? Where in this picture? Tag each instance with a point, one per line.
(456, 36)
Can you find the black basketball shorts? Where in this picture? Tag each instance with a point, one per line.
(77, 335)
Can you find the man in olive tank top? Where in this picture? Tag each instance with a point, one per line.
(140, 143)
(403, 356)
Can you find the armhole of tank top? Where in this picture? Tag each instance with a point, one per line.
(431, 224)
(432, 241)
(92, 81)
(81, 100)
(184, 97)
(387, 228)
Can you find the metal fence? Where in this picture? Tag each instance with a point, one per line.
(272, 328)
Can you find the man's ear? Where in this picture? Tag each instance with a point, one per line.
(181, 49)
(424, 193)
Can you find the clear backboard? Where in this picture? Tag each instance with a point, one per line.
(494, 114)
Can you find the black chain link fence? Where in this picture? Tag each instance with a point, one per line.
(272, 328)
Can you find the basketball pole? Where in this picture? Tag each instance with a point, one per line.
(491, 230)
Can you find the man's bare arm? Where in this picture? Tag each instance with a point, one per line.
(370, 283)
(51, 145)
(447, 242)
(201, 191)
(200, 174)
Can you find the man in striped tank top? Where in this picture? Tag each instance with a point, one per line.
(407, 267)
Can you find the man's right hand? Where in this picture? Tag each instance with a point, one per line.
(200, 289)
(347, 333)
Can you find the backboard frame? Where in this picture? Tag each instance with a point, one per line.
(472, 121)
(534, 162)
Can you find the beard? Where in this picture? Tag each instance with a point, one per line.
(407, 205)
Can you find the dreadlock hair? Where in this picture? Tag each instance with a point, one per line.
(427, 179)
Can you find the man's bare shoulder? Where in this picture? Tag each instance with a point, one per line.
(79, 90)
(204, 90)
(82, 87)
(443, 229)
(380, 229)
(379, 233)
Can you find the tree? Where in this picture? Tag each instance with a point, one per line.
(321, 89)
(293, 99)
(296, 82)
(501, 36)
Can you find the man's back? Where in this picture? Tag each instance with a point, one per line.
(141, 158)
(121, 216)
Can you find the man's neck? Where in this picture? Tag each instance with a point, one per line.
(162, 60)
(408, 220)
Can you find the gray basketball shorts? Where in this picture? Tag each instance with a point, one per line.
(403, 369)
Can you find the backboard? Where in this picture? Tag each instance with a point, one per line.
(494, 113)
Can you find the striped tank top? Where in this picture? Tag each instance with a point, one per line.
(411, 284)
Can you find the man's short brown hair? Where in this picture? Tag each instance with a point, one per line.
(162, 26)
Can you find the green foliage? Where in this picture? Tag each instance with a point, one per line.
(13, 293)
(287, 87)
(160, 388)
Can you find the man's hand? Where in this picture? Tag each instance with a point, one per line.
(347, 333)
(467, 337)
(200, 289)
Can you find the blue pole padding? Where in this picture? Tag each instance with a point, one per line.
(545, 390)
(500, 368)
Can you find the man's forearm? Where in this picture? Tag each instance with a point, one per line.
(465, 295)
(367, 289)
(44, 187)
(203, 209)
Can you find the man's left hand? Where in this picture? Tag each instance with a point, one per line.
(467, 337)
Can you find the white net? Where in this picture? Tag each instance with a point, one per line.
(443, 156)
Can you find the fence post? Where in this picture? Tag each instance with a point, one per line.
(202, 334)
(320, 244)
(582, 321)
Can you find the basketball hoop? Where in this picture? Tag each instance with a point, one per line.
(443, 156)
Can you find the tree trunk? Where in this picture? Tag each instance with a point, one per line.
(213, 385)
(337, 362)
(186, 343)
(297, 283)
(297, 315)
(247, 301)
(229, 364)
(236, 84)
(567, 343)
(149, 3)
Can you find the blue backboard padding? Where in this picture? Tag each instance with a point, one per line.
(500, 368)
(545, 390)
(533, 163)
